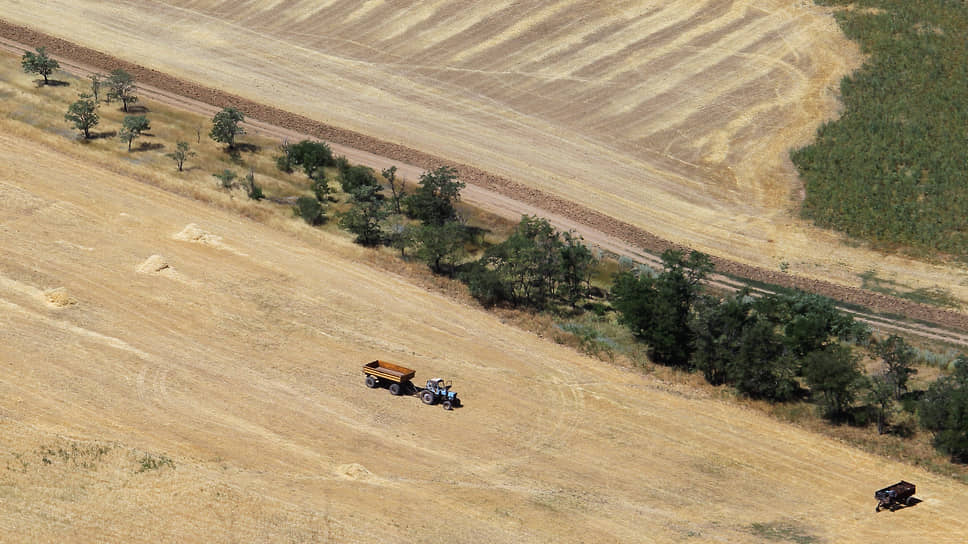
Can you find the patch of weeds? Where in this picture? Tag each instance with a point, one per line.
(83, 455)
(779, 531)
(590, 341)
(152, 462)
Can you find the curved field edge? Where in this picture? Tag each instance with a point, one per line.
(596, 220)
(891, 169)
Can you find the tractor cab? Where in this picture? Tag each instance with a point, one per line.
(439, 386)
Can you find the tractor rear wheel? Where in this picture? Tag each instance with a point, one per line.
(394, 389)
(428, 397)
(447, 405)
(370, 381)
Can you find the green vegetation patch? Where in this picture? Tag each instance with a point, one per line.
(935, 296)
(783, 532)
(893, 168)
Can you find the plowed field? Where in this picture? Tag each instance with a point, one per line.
(674, 117)
(173, 373)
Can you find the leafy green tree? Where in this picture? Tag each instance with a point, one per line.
(366, 213)
(718, 334)
(310, 210)
(528, 262)
(132, 127)
(433, 200)
(39, 63)
(762, 367)
(898, 359)
(397, 193)
(121, 87)
(835, 373)
(658, 309)
(944, 410)
(575, 269)
(441, 247)
(182, 153)
(356, 177)
(226, 126)
(83, 114)
(311, 156)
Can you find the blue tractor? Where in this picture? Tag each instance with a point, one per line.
(438, 390)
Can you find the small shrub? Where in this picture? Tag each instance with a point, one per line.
(309, 209)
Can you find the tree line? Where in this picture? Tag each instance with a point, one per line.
(769, 347)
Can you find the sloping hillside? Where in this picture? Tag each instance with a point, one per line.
(176, 373)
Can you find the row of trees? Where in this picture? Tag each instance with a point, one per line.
(767, 346)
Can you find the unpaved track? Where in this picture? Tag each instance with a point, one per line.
(240, 361)
(492, 192)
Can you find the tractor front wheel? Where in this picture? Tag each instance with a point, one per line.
(428, 397)
(447, 405)
(371, 382)
(394, 389)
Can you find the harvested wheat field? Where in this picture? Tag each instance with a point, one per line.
(176, 373)
(673, 117)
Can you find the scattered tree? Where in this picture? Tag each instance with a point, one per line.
(83, 114)
(898, 358)
(225, 126)
(312, 156)
(658, 308)
(364, 216)
(944, 410)
(881, 397)
(433, 200)
(252, 189)
(121, 87)
(398, 232)
(132, 127)
(96, 80)
(356, 177)
(284, 162)
(835, 373)
(397, 193)
(39, 63)
(441, 247)
(181, 154)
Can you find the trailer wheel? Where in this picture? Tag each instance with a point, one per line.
(394, 389)
(447, 405)
(428, 397)
(371, 381)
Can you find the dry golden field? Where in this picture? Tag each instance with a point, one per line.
(173, 372)
(674, 116)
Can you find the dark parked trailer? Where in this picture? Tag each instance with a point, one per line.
(895, 495)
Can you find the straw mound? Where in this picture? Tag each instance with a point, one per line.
(59, 297)
(354, 471)
(154, 265)
(194, 233)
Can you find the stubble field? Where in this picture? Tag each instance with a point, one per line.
(176, 373)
